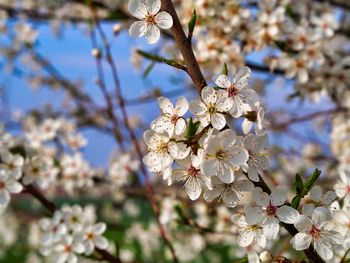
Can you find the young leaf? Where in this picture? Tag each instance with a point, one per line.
(225, 70)
(192, 24)
(192, 128)
(311, 181)
(299, 186)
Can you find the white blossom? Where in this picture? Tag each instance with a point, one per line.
(318, 231)
(211, 107)
(148, 12)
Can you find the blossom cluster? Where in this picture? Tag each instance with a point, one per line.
(206, 152)
(72, 231)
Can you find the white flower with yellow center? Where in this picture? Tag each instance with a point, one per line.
(211, 108)
(148, 12)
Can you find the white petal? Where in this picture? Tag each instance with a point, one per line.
(245, 186)
(4, 198)
(180, 126)
(101, 242)
(301, 241)
(209, 95)
(165, 106)
(218, 121)
(14, 187)
(245, 238)
(138, 29)
(224, 105)
(287, 214)
(242, 77)
(181, 106)
(153, 6)
(303, 223)
(335, 237)
(320, 215)
(253, 174)
(152, 34)
(197, 107)
(271, 230)
(328, 197)
(99, 228)
(316, 193)
(324, 248)
(226, 174)
(209, 167)
(241, 156)
(278, 197)
(193, 188)
(137, 8)
(164, 20)
(260, 198)
(223, 82)
(246, 126)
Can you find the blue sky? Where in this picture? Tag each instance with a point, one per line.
(71, 56)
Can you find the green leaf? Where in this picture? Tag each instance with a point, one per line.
(225, 70)
(148, 70)
(156, 58)
(296, 201)
(311, 181)
(192, 23)
(299, 186)
(192, 128)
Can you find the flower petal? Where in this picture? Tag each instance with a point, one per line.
(223, 82)
(152, 34)
(287, 214)
(137, 8)
(164, 20)
(301, 241)
(138, 29)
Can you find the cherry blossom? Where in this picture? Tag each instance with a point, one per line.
(238, 90)
(250, 230)
(190, 172)
(271, 210)
(222, 155)
(231, 193)
(318, 231)
(211, 108)
(148, 12)
(8, 186)
(171, 119)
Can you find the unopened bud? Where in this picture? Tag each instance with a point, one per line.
(96, 53)
(265, 257)
(117, 28)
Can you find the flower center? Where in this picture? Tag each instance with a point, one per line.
(211, 108)
(150, 19)
(220, 154)
(314, 232)
(2, 185)
(162, 147)
(271, 210)
(192, 171)
(174, 119)
(90, 236)
(68, 248)
(232, 91)
(253, 227)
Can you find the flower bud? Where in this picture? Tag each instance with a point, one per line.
(265, 257)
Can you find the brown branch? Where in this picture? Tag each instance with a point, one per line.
(308, 117)
(185, 47)
(108, 99)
